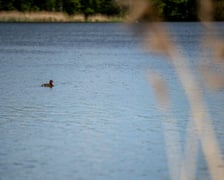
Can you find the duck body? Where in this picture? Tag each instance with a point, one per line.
(50, 84)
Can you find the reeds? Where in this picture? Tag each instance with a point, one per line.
(200, 131)
(16, 16)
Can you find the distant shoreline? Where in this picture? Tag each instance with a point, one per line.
(57, 17)
(45, 16)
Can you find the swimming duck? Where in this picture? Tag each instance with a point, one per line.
(50, 84)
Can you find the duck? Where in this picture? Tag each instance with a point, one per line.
(50, 84)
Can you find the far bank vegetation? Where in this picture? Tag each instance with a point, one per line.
(97, 10)
(60, 10)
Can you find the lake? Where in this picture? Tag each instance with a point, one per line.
(101, 120)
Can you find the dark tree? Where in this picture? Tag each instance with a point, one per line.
(72, 6)
(7, 5)
(109, 7)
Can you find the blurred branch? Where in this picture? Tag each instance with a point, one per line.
(159, 41)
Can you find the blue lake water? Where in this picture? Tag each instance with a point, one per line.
(101, 120)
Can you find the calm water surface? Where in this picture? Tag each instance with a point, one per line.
(100, 121)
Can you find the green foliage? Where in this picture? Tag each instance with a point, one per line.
(49, 5)
(87, 7)
(109, 7)
(7, 5)
(177, 10)
(72, 6)
(88, 11)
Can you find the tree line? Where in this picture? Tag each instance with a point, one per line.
(170, 10)
(87, 7)
(186, 10)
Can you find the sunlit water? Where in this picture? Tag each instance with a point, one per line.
(101, 120)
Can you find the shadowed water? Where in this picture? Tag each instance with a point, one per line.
(100, 121)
